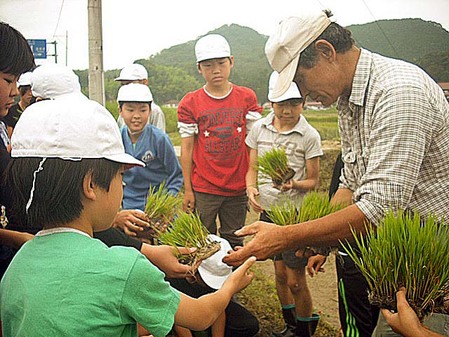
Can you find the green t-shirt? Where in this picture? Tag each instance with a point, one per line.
(68, 284)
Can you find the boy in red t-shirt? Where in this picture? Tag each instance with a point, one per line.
(213, 122)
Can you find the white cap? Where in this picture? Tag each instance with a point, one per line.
(24, 79)
(292, 91)
(212, 46)
(133, 72)
(54, 80)
(134, 92)
(81, 129)
(284, 47)
(213, 270)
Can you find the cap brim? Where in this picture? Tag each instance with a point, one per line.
(286, 77)
(126, 159)
(213, 281)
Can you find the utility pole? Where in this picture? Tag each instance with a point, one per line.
(96, 75)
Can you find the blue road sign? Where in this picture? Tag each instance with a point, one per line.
(39, 48)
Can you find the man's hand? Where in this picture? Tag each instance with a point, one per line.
(131, 221)
(268, 240)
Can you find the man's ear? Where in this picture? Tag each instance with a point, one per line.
(326, 50)
(89, 189)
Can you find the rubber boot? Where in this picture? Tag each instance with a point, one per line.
(306, 326)
(289, 314)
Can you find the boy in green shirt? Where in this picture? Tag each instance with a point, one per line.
(67, 166)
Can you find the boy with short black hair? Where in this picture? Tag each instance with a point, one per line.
(148, 144)
(286, 127)
(63, 282)
(213, 124)
(136, 73)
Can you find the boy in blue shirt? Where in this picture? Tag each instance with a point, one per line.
(148, 144)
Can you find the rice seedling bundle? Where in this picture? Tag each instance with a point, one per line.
(274, 164)
(161, 208)
(188, 231)
(407, 251)
(313, 206)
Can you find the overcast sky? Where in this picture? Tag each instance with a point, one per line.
(134, 29)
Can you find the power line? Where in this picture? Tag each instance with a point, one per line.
(381, 30)
(59, 18)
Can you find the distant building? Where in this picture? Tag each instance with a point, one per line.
(312, 105)
(172, 104)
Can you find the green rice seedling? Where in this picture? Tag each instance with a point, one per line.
(274, 164)
(284, 213)
(405, 251)
(315, 205)
(161, 207)
(188, 231)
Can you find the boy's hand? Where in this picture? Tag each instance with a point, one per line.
(131, 221)
(188, 204)
(241, 277)
(164, 257)
(315, 264)
(252, 193)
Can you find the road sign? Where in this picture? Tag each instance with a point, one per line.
(39, 48)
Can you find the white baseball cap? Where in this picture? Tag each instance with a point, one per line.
(53, 81)
(24, 79)
(81, 129)
(213, 270)
(134, 92)
(292, 91)
(284, 47)
(212, 46)
(133, 72)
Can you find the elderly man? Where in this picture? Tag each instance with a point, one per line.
(394, 127)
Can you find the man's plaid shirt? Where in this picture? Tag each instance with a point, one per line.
(394, 132)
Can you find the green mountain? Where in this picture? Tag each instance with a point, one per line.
(173, 71)
(406, 39)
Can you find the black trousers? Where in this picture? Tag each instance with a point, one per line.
(239, 321)
(358, 317)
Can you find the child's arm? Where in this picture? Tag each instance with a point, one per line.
(251, 181)
(186, 160)
(200, 313)
(174, 179)
(14, 239)
(218, 328)
(164, 258)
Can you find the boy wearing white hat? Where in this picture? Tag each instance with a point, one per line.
(213, 124)
(136, 73)
(285, 127)
(67, 166)
(150, 145)
(26, 99)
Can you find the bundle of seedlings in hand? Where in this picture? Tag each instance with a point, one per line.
(405, 251)
(284, 213)
(313, 206)
(188, 231)
(274, 164)
(160, 209)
